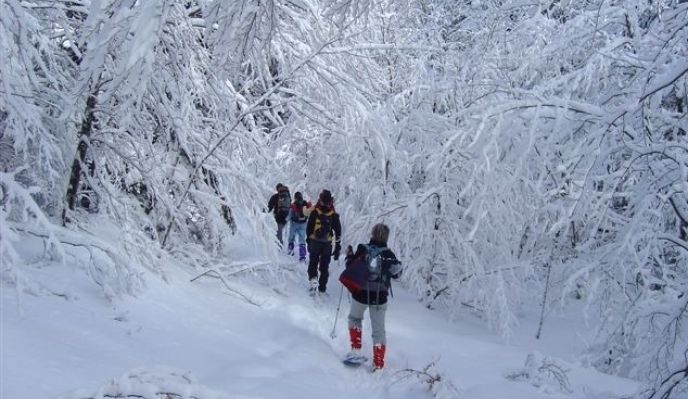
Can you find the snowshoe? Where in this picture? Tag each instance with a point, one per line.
(313, 287)
(354, 359)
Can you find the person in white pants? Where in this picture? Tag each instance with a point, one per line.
(374, 295)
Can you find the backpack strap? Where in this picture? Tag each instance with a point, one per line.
(379, 249)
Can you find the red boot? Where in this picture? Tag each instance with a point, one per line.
(378, 356)
(355, 336)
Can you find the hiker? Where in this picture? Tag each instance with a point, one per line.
(279, 204)
(297, 225)
(373, 294)
(322, 229)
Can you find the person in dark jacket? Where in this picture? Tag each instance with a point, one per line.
(322, 229)
(374, 295)
(279, 205)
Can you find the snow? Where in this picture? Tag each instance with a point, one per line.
(199, 339)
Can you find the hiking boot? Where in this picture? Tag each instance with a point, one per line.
(313, 285)
(302, 252)
(354, 353)
(290, 249)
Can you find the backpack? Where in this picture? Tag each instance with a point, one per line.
(323, 225)
(374, 262)
(297, 214)
(283, 201)
(365, 267)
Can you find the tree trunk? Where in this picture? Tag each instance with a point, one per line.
(211, 180)
(80, 158)
(548, 265)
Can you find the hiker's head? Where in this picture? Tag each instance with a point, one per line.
(380, 233)
(278, 186)
(298, 196)
(326, 198)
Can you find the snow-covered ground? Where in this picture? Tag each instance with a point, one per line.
(199, 339)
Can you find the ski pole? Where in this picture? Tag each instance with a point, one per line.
(333, 334)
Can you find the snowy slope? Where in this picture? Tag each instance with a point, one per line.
(202, 340)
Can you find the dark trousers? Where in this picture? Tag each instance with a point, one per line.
(320, 254)
(280, 233)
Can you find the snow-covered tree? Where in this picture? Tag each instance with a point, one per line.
(523, 153)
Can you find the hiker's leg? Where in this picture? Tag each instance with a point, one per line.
(314, 257)
(377, 324)
(301, 238)
(356, 314)
(290, 239)
(280, 233)
(324, 266)
(299, 232)
(356, 324)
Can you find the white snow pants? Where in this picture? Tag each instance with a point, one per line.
(377, 319)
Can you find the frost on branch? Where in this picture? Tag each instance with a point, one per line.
(543, 372)
(438, 385)
(158, 383)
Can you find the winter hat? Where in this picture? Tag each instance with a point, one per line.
(326, 197)
(279, 185)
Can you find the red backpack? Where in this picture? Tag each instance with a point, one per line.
(297, 214)
(365, 266)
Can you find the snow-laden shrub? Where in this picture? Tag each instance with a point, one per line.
(543, 372)
(153, 383)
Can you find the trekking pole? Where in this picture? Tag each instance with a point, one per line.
(333, 334)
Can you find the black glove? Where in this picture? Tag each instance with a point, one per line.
(337, 250)
(349, 251)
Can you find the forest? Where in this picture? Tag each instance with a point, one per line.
(526, 154)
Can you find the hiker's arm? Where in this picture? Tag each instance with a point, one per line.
(349, 254)
(395, 269)
(337, 228)
(310, 224)
(272, 202)
(394, 264)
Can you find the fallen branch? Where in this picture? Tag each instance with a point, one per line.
(436, 383)
(226, 284)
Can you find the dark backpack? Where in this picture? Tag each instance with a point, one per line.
(297, 212)
(365, 267)
(283, 201)
(323, 225)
